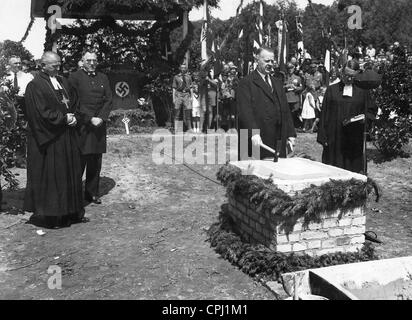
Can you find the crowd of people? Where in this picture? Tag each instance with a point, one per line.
(205, 101)
(208, 101)
(66, 133)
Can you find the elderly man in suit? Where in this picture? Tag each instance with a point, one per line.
(95, 103)
(262, 104)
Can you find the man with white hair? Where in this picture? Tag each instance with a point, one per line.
(19, 79)
(54, 180)
(95, 103)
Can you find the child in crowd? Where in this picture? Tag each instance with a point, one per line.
(196, 109)
(308, 109)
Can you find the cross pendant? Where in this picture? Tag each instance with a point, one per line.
(65, 101)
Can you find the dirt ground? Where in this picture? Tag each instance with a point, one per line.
(148, 239)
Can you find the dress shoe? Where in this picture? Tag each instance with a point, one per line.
(93, 199)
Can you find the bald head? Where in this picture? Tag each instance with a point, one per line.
(49, 56)
(50, 62)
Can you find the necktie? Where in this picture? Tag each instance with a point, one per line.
(15, 80)
(267, 81)
(184, 82)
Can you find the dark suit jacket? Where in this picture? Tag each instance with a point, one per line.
(260, 108)
(95, 100)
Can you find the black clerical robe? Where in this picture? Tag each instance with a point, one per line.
(54, 185)
(343, 145)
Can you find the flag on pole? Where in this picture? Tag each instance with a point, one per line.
(282, 43)
(256, 45)
(299, 28)
(260, 34)
(259, 24)
(203, 36)
(269, 36)
(327, 60)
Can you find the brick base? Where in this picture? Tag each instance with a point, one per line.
(333, 234)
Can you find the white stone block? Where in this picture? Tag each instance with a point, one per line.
(282, 239)
(295, 174)
(301, 246)
(354, 230)
(345, 222)
(330, 223)
(357, 239)
(292, 237)
(335, 232)
(329, 243)
(314, 244)
(314, 226)
(284, 248)
(359, 221)
(310, 235)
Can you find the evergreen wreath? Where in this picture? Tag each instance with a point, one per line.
(308, 203)
(260, 262)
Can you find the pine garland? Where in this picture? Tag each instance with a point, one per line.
(26, 34)
(259, 261)
(308, 203)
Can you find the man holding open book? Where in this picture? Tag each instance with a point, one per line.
(342, 121)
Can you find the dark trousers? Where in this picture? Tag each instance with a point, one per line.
(93, 165)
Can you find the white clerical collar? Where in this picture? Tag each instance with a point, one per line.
(348, 90)
(55, 83)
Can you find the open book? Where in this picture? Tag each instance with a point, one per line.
(359, 117)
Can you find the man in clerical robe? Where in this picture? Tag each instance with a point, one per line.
(95, 104)
(341, 125)
(54, 185)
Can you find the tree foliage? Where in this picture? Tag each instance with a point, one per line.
(11, 132)
(393, 129)
(383, 23)
(9, 48)
(12, 123)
